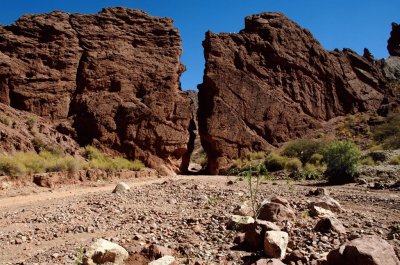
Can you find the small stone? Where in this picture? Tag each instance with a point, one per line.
(121, 187)
(316, 211)
(330, 224)
(239, 223)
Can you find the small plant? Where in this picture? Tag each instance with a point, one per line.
(395, 160)
(257, 173)
(275, 162)
(31, 122)
(6, 120)
(290, 184)
(293, 165)
(316, 159)
(312, 171)
(213, 200)
(388, 134)
(367, 161)
(79, 257)
(256, 155)
(342, 158)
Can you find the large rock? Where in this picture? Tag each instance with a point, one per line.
(272, 82)
(330, 224)
(275, 212)
(368, 250)
(328, 203)
(103, 251)
(275, 244)
(255, 234)
(110, 79)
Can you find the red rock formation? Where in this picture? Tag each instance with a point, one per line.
(114, 75)
(272, 82)
(394, 40)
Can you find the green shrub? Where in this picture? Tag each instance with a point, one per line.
(10, 167)
(293, 165)
(32, 161)
(312, 172)
(99, 160)
(367, 161)
(395, 160)
(388, 134)
(316, 159)
(46, 161)
(302, 149)
(6, 120)
(341, 158)
(275, 162)
(256, 155)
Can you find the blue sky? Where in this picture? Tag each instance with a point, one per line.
(340, 24)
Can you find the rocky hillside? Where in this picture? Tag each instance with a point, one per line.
(273, 82)
(110, 79)
(24, 131)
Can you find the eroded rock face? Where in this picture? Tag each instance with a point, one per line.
(272, 82)
(394, 40)
(113, 76)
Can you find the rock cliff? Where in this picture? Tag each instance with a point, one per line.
(272, 82)
(110, 79)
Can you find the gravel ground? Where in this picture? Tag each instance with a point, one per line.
(187, 214)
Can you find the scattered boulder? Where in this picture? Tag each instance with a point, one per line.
(328, 203)
(275, 244)
(330, 224)
(103, 251)
(255, 234)
(275, 212)
(367, 250)
(240, 223)
(121, 187)
(316, 211)
(280, 200)
(166, 260)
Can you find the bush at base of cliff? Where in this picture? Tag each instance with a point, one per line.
(303, 149)
(388, 134)
(99, 160)
(341, 158)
